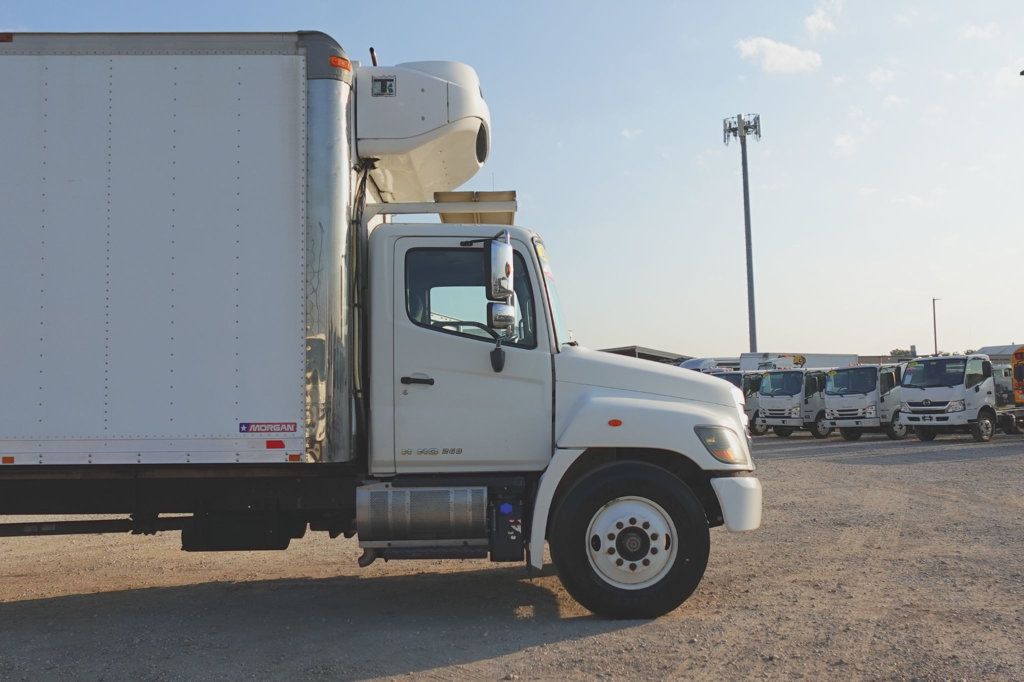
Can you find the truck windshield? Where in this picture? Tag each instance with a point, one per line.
(782, 383)
(561, 331)
(734, 378)
(852, 380)
(937, 372)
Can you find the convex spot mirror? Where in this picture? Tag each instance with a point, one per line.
(501, 316)
(499, 270)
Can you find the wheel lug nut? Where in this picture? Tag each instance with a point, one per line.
(632, 567)
(611, 536)
(618, 524)
(611, 550)
(646, 562)
(654, 536)
(654, 550)
(646, 525)
(632, 522)
(618, 562)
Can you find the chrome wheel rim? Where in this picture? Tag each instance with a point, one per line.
(631, 543)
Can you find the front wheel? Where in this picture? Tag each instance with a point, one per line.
(783, 431)
(895, 430)
(925, 433)
(755, 428)
(983, 428)
(819, 428)
(630, 540)
(850, 434)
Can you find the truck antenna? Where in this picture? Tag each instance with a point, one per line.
(373, 57)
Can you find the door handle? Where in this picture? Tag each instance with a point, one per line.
(417, 380)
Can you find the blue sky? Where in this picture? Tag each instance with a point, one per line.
(888, 172)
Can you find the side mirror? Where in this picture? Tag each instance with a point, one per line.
(498, 265)
(501, 316)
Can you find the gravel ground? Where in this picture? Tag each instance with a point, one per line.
(876, 560)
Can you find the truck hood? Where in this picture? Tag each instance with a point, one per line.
(853, 400)
(595, 368)
(936, 394)
(777, 402)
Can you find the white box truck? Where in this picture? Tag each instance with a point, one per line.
(957, 393)
(209, 312)
(865, 399)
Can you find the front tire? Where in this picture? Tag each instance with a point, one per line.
(783, 431)
(630, 540)
(755, 428)
(925, 434)
(850, 434)
(983, 428)
(895, 430)
(819, 428)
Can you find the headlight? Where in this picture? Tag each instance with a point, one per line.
(869, 411)
(904, 407)
(955, 406)
(794, 411)
(723, 444)
(830, 414)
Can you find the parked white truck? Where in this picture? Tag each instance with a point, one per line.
(750, 384)
(793, 399)
(208, 312)
(864, 399)
(957, 393)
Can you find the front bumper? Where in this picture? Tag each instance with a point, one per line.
(934, 419)
(855, 423)
(795, 422)
(740, 500)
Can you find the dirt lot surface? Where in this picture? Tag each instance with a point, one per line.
(876, 560)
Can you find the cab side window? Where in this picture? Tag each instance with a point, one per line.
(445, 292)
(975, 372)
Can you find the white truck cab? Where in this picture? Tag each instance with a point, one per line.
(230, 333)
(949, 393)
(750, 383)
(793, 399)
(864, 399)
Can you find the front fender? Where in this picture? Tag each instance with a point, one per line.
(647, 422)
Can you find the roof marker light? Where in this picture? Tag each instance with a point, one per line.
(340, 63)
(614, 423)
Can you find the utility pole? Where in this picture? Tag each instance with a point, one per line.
(935, 326)
(740, 126)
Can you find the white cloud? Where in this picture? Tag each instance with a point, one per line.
(838, 80)
(630, 133)
(975, 32)
(845, 145)
(914, 201)
(881, 76)
(894, 102)
(866, 191)
(776, 57)
(823, 19)
(908, 16)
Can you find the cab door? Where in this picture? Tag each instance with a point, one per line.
(454, 411)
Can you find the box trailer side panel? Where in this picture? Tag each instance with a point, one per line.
(155, 233)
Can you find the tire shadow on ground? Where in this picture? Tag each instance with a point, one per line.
(344, 626)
